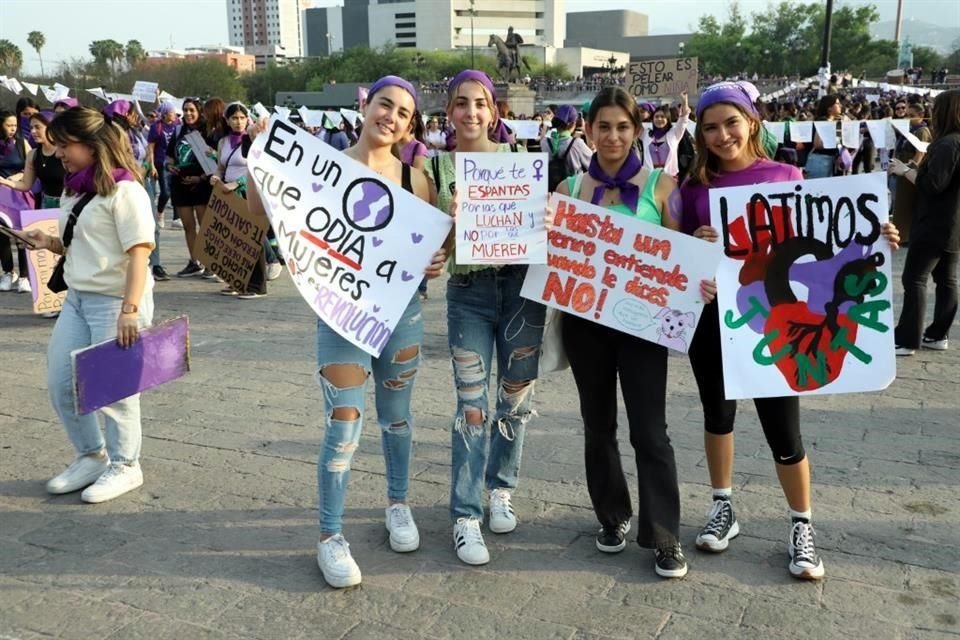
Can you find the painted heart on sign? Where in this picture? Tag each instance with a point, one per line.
(376, 308)
(808, 333)
(317, 186)
(256, 153)
(407, 276)
(376, 241)
(416, 237)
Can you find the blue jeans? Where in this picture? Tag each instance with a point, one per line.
(485, 310)
(819, 165)
(86, 319)
(394, 373)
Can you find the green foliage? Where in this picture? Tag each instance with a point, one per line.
(134, 53)
(36, 39)
(11, 58)
(201, 78)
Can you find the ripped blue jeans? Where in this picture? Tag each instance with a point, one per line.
(485, 310)
(394, 373)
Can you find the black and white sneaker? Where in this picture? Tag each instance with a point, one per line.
(192, 269)
(721, 527)
(160, 274)
(936, 345)
(670, 561)
(613, 540)
(805, 563)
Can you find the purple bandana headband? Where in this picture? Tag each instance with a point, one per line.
(117, 108)
(728, 93)
(474, 76)
(393, 81)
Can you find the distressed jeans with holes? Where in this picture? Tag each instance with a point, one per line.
(393, 378)
(485, 310)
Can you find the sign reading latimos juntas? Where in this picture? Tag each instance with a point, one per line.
(665, 77)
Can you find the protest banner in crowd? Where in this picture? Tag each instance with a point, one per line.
(805, 287)
(230, 238)
(663, 77)
(357, 245)
(623, 273)
(42, 262)
(501, 201)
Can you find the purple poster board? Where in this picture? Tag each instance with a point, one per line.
(105, 373)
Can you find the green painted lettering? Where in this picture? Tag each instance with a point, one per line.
(868, 314)
(761, 359)
(754, 309)
(840, 341)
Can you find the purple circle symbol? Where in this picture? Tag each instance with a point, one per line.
(368, 204)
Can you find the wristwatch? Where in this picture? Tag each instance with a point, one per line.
(128, 307)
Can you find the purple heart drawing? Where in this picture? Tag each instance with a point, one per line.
(273, 205)
(317, 186)
(256, 153)
(376, 308)
(407, 277)
(416, 237)
(376, 241)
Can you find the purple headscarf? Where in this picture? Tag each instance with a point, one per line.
(117, 108)
(393, 81)
(474, 76)
(566, 114)
(165, 108)
(68, 103)
(727, 93)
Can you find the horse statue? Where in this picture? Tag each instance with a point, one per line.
(508, 59)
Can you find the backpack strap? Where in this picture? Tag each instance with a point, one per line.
(405, 180)
(435, 162)
(72, 220)
(513, 147)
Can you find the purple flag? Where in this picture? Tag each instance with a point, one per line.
(105, 373)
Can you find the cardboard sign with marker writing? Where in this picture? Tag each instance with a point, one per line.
(230, 239)
(665, 77)
(40, 264)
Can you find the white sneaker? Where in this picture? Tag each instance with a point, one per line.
(502, 519)
(117, 480)
(23, 285)
(176, 224)
(904, 351)
(338, 566)
(6, 282)
(404, 536)
(468, 541)
(161, 223)
(936, 345)
(274, 270)
(82, 472)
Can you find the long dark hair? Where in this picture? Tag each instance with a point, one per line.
(946, 114)
(615, 97)
(825, 103)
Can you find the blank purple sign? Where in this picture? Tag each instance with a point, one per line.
(105, 373)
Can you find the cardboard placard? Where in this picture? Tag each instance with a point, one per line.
(202, 153)
(41, 263)
(146, 91)
(356, 244)
(805, 290)
(633, 276)
(105, 373)
(230, 239)
(662, 77)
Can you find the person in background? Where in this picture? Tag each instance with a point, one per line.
(904, 193)
(935, 242)
(110, 295)
(41, 164)
(822, 162)
(413, 150)
(25, 108)
(562, 142)
(158, 138)
(189, 188)
(333, 135)
(660, 144)
(434, 138)
(14, 150)
(214, 122)
(64, 103)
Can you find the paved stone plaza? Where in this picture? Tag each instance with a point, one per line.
(221, 540)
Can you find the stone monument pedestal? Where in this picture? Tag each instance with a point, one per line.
(519, 97)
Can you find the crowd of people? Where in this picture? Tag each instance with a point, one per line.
(117, 173)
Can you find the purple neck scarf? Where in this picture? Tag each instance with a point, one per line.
(235, 138)
(657, 133)
(82, 181)
(629, 192)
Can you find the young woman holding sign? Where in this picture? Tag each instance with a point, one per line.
(598, 355)
(189, 189)
(730, 153)
(345, 368)
(484, 310)
(106, 219)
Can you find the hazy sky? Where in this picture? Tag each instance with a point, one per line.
(70, 25)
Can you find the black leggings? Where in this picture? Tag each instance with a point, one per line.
(6, 257)
(597, 356)
(163, 186)
(779, 417)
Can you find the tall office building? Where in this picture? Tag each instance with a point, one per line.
(268, 29)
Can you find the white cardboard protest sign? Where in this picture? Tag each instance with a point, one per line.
(804, 288)
(903, 128)
(623, 273)
(801, 131)
(202, 152)
(664, 77)
(310, 117)
(850, 134)
(776, 129)
(353, 116)
(524, 129)
(501, 202)
(356, 244)
(145, 91)
(283, 112)
(878, 133)
(827, 130)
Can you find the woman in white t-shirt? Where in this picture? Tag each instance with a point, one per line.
(435, 138)
(110, 294)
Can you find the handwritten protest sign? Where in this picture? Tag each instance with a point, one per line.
(664, 77)
(805, 287)
(524, 129)
(501, 201)
(41, 263)
(356, 244)
(623, 273)
(106, 372)
(145, 91)
(230, 238)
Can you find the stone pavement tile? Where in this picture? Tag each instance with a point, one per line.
(866, 570)
(17, 554)
(934, 583)
(151, 626)
(593, 577)
(693, 625)
(718, 605)
(85, 536)
(487, 624)
(764, 613)
(473, 586)
(56, 614)
(379, 631)
(901, 607)
(13, 592)
(402, 609)
(186, 600)
(70, 572)
(598, 615)
(257, 616)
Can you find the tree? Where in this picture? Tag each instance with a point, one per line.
(202, 77)
(36, 40)
(134, 53)
(11, 58)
